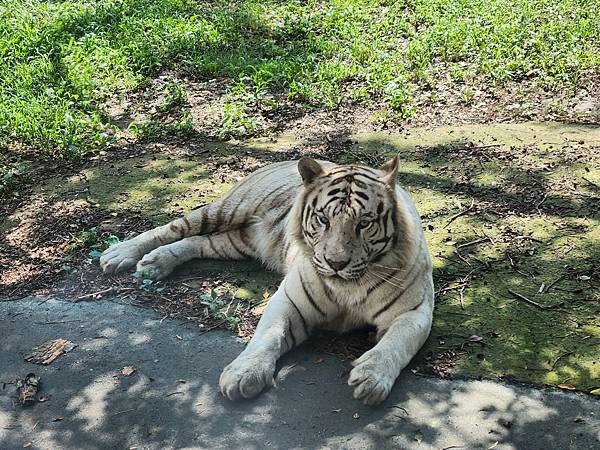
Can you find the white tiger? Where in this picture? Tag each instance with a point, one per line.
(350, 243)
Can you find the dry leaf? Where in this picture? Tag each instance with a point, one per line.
(49, 351)
(57, 419)
(127, 371)
(318, 360)
(567, 386)
(494, 445)
(475, 338)
(27, 389)
(27, 445)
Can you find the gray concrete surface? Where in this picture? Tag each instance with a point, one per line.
(172, 401)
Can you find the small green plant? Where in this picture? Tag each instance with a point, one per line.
(218, 309)
(468, 96)
(213, 302)
(99, 247)
(174, 96)
(236, 119)
(68, 268)
(84, 239)
(148, 283)
(9, 177)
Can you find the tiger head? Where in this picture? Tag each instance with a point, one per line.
(347, 217)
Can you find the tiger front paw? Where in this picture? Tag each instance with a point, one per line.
(157, 264)
(121, 256)
(247, 376)
(371, 379)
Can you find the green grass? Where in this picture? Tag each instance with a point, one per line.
(61, 59)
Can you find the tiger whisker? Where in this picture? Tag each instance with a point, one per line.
(387, 280)
(390, 276)
(387, 267)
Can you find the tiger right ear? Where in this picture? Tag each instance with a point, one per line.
(309, 170)
(390, 169)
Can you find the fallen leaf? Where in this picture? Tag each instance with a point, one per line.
(48, 351)
(475, 338)
(127, 371)
(27, 445)
(336, 410)
(57, 419)
(579, 419)
(179, 337)
(567, 386)
(494, 445)
(356, 415)
(318, 360)
(595, 392)
(27, 389)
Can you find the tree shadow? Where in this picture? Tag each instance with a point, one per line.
(172, 399)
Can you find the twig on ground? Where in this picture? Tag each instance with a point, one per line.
(561, 357)
(174, 393)
(537, 207)
(591, 182)
(531, 302)
(214, 327)
(53, 322)
(551, 285)
(93, 294)
(122, 412)
(476, 241)
(117, 290)
(460, 213)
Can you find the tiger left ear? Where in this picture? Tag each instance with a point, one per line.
(391, 171)
(309, 170)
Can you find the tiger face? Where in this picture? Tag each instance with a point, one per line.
(349, 216)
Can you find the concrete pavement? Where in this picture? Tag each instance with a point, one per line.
(172, 400)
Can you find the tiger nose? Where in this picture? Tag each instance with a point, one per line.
(337, 264)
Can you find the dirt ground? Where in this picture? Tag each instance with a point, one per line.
(508, 188)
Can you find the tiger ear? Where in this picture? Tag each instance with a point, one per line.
(309, 170)
(390, 169)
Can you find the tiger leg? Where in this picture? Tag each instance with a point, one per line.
(205, 220)
(290, 315)
(160, 262)
(375, 372)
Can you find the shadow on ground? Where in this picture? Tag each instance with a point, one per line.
(511, 213)
(171, 401)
